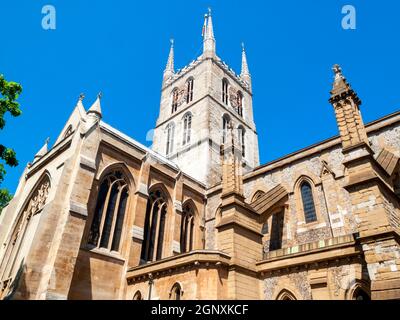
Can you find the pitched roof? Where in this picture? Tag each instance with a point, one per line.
(269, 199)
(388, 161)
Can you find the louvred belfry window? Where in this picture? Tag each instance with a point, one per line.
(187, 129)
(189, 90)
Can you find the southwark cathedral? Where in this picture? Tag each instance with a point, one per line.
(100, 216)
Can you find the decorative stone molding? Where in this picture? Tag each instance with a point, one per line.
(178, 206)
(78, 208)
(142, 189)
(138, 233)
(88, 163)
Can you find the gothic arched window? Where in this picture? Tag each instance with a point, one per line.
(225, 96)
(68, 132)
(187, 229)
(187, 128)
(242, 138)
(21, 237)
(176, 292)
(156, 214)
(240, 103)
(175, 98)
(138, 296)
(225, 126)
(308, 202)
(170, 138)
(189, 90)
(108, 220)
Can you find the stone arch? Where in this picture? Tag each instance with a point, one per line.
(360, 289)
(138, 295)
(176, 291)
(286, 295)
(305, 175)
(117, 166)
(285, 289)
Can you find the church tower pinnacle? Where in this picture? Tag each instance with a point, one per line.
(209, 47)
(170, 68)
(245, 74)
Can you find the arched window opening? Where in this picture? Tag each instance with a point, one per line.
(68, 132)
(187, 229)
(360, 294)
(225, 126)
(276, 231)
(175, 100)
(109, 215)
(286, 295)
(240, 103)
(170, 139)
(242, 138)
(18, 243)
(138, 296)
(225, 95)
(308, 202)
(189, 90)
(187, 129)
(176, 292)
(152, 247)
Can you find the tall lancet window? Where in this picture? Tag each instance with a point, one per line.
(225, 126)
(275, 242)
(189, 90)
(187, 128)
(170, 138)
(308, 202)
(187, 229)
(156, 214)
(175, 98)
(242, 138)
(109, 215)
(225, 95)
(240, 103)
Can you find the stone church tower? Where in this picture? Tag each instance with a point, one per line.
(198, 103)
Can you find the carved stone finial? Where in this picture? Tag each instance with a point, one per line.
(100, 95)
(338, 71)
(81, 97)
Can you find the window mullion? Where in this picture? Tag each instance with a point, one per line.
(114, 219)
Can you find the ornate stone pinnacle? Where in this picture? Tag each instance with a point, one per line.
(81, 97)
(338, 71)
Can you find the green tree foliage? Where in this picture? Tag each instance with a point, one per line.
(9, 93)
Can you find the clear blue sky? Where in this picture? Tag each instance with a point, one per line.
(120, 47)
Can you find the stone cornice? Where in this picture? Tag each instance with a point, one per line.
(311, 253)
(191, 259)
